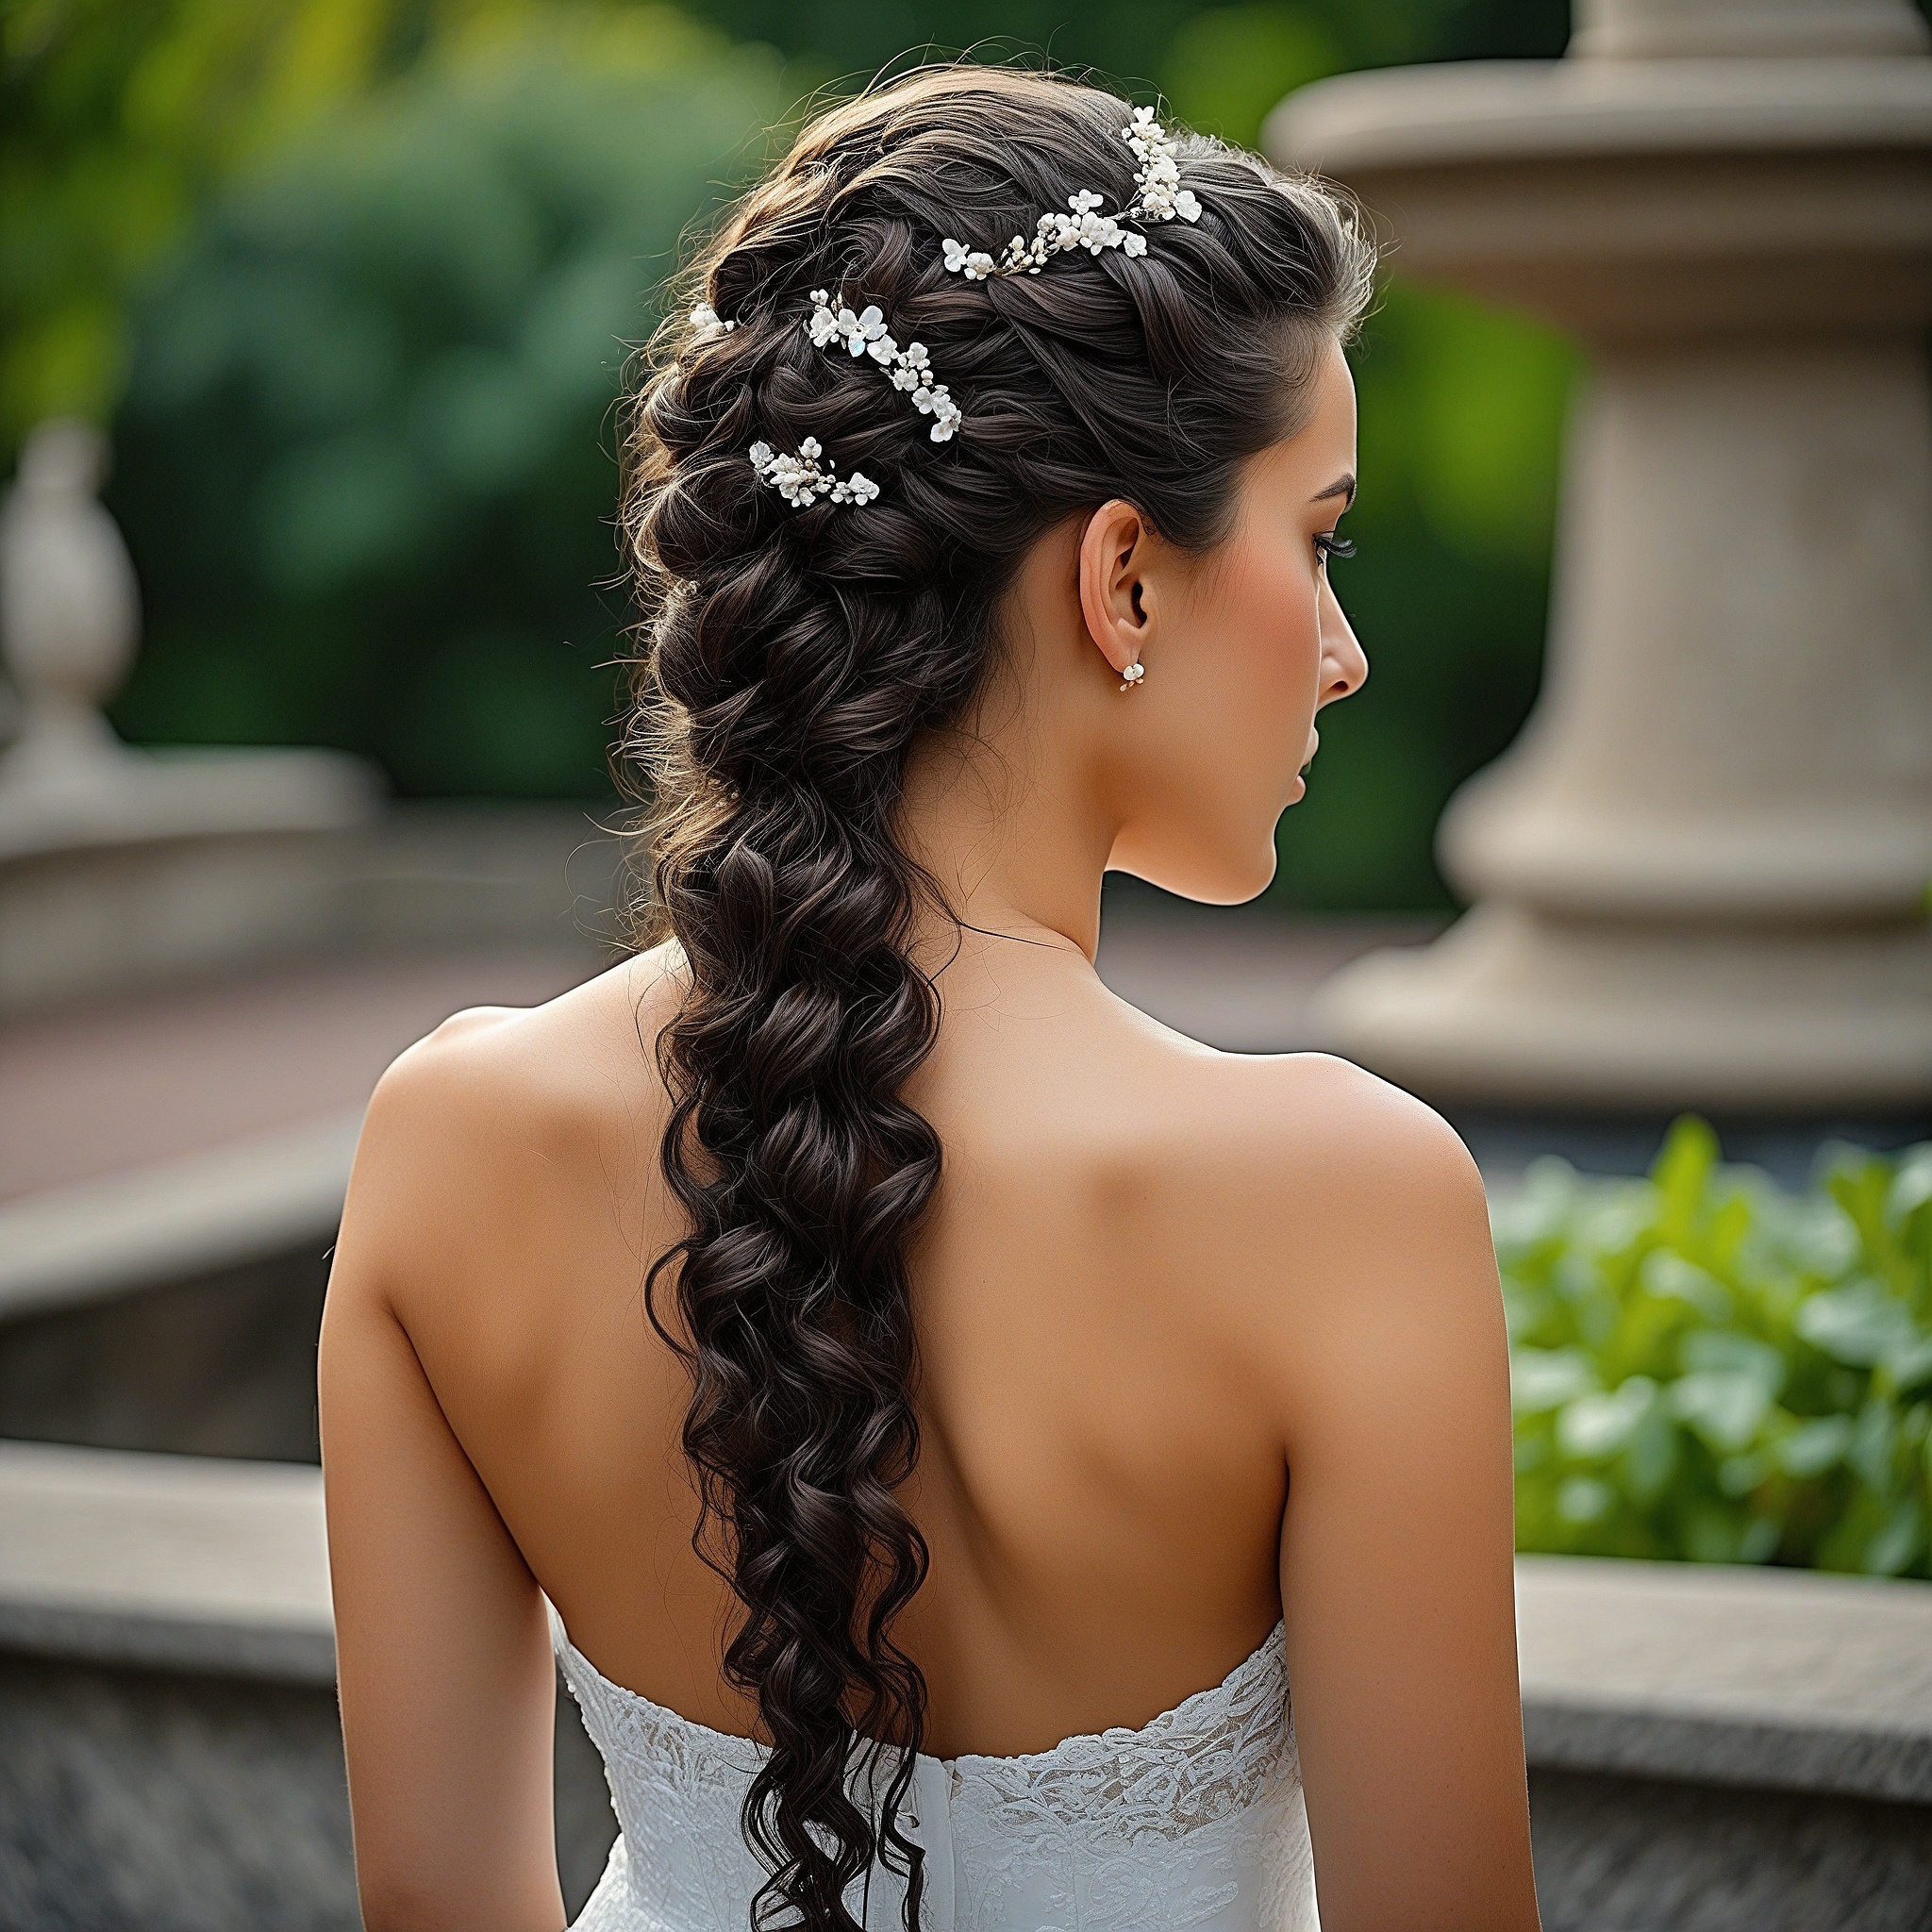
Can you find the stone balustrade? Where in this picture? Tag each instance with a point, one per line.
(1709, 1748)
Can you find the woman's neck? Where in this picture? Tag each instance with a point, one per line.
(1013, 814)
(1011, 829)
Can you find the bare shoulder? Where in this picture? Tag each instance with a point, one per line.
(1257, 1133)
(1322, 1201)
(499, 1106)
(537, 1055)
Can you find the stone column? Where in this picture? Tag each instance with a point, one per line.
(1701, 874)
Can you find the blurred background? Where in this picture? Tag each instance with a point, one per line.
(312, 317)
(352, 282)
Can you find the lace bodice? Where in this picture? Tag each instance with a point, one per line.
(1193, 1822)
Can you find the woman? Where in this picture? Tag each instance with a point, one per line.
(945, 1408)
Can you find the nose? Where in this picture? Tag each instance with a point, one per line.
(1344, 663)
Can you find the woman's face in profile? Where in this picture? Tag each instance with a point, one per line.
(1252, 644)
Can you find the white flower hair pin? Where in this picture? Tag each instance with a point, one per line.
(704, 319)
(801, 481)
(1158, 197)
(865, 334)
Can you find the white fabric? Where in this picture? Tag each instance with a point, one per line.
(1195, 1821)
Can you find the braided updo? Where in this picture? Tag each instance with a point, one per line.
(792, 659)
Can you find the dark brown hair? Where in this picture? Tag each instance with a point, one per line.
(790, 660)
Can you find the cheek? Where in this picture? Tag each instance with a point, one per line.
(1271, 625)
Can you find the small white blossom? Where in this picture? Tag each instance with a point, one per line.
(973, 263)
(704, 319)
(936, 402)
(823, 325)
(1158, 197)
(909, 369)
(861, 331)
(801, 481)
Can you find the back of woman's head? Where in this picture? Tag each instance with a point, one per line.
(794, 654)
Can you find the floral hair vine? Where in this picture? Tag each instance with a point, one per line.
(1158, 197)
(801, 481)
(865, 334)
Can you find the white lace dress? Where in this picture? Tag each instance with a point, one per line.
(1195, 1821)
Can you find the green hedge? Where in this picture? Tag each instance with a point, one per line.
(1707, 1367)
(365, 460)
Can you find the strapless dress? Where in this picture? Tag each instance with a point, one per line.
(1195, 1821)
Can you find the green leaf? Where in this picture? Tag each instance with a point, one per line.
(1738, 1475)
(1875, 1444)
(1650, 1460)
(1814, 1447)
(1911, 1369)
(1545, 1378)
(1583, 1499)
(1859, 1325)
(1683, 1166)
(1891, 1551)
(1911, 1185)
(1593, 1426)
(1724, 1350)
(1725, 1407)
(1671, 1277)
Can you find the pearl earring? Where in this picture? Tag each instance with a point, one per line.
(1133, 675)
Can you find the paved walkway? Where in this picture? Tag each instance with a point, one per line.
(102, 1088)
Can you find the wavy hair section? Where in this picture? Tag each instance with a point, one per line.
(790, 660)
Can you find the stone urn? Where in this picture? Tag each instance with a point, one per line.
(1700, 875)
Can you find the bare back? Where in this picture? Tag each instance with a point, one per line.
(1199, 1340)
(1156, 1281)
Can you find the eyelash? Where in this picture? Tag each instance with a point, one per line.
(1329, 544)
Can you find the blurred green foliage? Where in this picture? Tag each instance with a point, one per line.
(388, 253)
(1706, 1367)
(117, 119)
(1220, 67)
(365, 463)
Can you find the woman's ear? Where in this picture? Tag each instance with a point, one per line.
(1115, 597)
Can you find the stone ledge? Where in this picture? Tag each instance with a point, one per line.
(178, 1219)
(176, 1562)
(199, 1647)
(1769, 1679)
(1779, 1679)
(1477, 112)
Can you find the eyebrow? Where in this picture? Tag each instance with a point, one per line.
(1342, 486)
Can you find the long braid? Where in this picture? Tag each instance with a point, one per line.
(793, 658)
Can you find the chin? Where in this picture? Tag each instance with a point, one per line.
(1225, 877)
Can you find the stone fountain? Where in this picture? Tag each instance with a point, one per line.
(1700, 876)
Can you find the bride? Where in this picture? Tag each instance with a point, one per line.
(934, 1414)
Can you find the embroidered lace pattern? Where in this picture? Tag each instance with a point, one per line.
(1193, 1822)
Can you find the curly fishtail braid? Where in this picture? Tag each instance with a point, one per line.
(792, 659)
